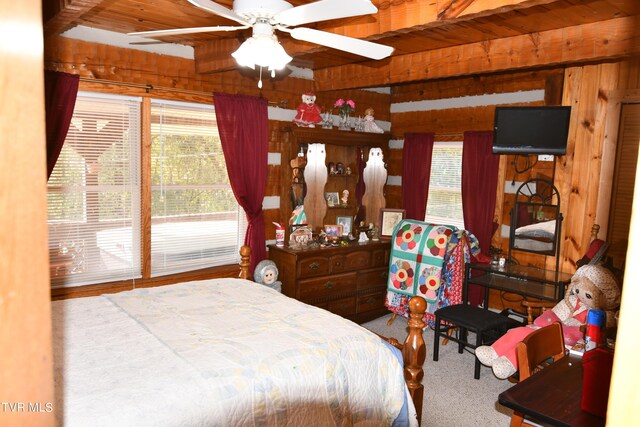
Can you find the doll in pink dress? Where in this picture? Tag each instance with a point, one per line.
(591, 287)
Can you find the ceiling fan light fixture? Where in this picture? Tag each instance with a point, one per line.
(262, 51)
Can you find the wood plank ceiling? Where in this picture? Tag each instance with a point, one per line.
(432, 38)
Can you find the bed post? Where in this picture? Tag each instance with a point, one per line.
(245, 252)
(414, 353)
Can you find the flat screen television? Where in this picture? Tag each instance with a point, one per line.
(531, 130)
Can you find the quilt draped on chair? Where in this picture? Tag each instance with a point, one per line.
(427, 260)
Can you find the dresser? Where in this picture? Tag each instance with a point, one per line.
(350, 281)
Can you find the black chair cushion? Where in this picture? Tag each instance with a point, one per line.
(474, 318)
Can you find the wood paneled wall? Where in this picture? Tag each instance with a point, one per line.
(588, 89)
(450, 123)
(176, 78)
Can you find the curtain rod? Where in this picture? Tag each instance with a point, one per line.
(149, 87)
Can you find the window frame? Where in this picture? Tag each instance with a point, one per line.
(227, 270)
(438, 219)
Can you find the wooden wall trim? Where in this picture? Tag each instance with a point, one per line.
(615, 100)
(145, 186)
(589, 42)
(26, 362)
(61, 15)
(126, 285)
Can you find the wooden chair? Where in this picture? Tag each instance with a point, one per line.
(534, 353)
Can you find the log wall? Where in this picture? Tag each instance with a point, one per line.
(176, 78)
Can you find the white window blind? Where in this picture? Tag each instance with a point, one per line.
(196, 221)
(94, 192)
(444, 204)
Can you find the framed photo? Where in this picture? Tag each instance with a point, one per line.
(333, 230)
(332, 198)
(347, 224)
(389, 218)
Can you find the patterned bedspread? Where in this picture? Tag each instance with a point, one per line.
(427, 260)
(218, 353)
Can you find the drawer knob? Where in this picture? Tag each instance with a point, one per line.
(371, 300)
(384, 274)
(314, 266)
(338, 263)
(329, 285)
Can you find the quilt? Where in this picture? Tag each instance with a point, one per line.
(223, 352)
(427, 260)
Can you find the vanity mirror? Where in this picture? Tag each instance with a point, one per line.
(536, 220)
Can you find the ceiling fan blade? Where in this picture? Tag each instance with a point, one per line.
(177, 31)
(347, 44)
(219, 10)
(324, 10)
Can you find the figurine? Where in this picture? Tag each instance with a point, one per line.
(369, 125)
(308, 112)
(266, 273)
(375, 235)
(363, 237)
(345, 197)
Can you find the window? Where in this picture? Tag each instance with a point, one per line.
(94, 192)
(196, 221)
(444, 204)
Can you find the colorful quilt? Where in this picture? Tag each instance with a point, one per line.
(427, 260)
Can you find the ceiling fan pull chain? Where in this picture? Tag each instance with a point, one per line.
(260, 81)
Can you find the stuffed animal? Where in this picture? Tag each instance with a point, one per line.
(266, 273)
(591, 287)
(308, 112)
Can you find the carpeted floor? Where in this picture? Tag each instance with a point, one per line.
(452, 398)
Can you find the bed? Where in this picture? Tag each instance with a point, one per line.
(538, 237)
(228, 352)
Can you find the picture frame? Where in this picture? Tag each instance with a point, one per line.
(347, 224)
(333, 230)
(300, 237)
(332, 198)
(389, 218)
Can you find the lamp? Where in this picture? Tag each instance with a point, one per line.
(262, 49)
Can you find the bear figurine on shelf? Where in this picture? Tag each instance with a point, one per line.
(308, 113)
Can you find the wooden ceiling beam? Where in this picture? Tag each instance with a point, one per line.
(60, 15)
(582, 43)
(403, 16)
(392, 17)
(215, 56)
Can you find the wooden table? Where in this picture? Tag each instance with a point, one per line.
(552, 395)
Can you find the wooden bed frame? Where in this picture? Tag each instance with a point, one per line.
(414, 350)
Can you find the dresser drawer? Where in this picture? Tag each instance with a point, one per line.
(373, 278)
(314, 266)
(343, 307)
(380, 257)
(357, 260)
(326, 286)
(371, 301)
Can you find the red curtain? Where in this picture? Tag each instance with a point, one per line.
(416, 171)
(243, 125)
(60, 93)
(479, 183)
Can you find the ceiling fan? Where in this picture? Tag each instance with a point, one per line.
(264, 16)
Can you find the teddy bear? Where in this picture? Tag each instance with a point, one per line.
(266, 273)
(591, 287)
(308, 113)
